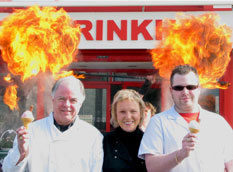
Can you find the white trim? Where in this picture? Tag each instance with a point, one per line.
(95, 3)
(222, 6)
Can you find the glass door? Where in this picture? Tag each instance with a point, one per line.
(95, 109)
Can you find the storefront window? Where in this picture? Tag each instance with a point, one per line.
(209, 99)
(93, 110)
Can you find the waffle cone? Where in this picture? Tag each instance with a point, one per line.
(194, 130)
(26, 122)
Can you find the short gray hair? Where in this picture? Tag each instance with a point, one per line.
(80, 85)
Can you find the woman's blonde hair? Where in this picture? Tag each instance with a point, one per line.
(126, 94)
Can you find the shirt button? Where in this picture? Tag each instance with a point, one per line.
(116, 150)
(115, 157)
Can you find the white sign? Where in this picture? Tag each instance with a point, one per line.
(126, 30)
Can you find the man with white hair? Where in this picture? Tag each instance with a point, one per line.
(60, 142)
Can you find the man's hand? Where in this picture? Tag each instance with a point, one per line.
(188, 144)
(23, 142)
(151, 78)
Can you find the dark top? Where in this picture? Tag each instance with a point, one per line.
(151, 95)
(63, 128)
(121, 151)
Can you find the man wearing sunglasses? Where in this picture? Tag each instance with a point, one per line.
(168, 145)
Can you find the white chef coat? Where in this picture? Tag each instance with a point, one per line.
(166, 130)
(77, 149)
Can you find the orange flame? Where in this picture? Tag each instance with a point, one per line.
(198, 41)
(8, 78)
(10, 97)
(38, 39)
(81, 76)
(68, 73)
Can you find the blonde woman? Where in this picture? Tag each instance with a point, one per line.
(121, 145)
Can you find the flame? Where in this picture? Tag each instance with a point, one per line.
(81, 76)
(10, 97)
(38, 39)
(68, 73)
(199, 41)
(8, 78)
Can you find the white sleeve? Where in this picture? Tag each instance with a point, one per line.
(9, 162)
(97, 154)
(152, 141)
(228, 142)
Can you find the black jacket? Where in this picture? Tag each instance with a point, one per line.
(120, 151)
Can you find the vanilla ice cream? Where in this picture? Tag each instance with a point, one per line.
(194, 126)
(27, 118)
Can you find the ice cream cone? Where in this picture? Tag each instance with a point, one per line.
(193, 130)
(194, 126)
(27, 117)
(26, 122)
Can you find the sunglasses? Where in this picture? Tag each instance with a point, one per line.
(188, 87)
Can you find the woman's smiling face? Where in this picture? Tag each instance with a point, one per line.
(128, 115)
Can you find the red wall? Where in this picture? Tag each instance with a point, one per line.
(226, 96)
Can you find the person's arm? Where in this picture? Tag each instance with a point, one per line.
(15, 161)
(163, 163)
(23, 140)
(227, 144)
(97, 154)
(229, 166)
(145, 87)
(150, 79)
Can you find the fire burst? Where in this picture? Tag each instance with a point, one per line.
(10, 97)
(38, 39)
(198, 41)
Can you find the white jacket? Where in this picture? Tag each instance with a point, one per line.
(165, 133)
(77, 149)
